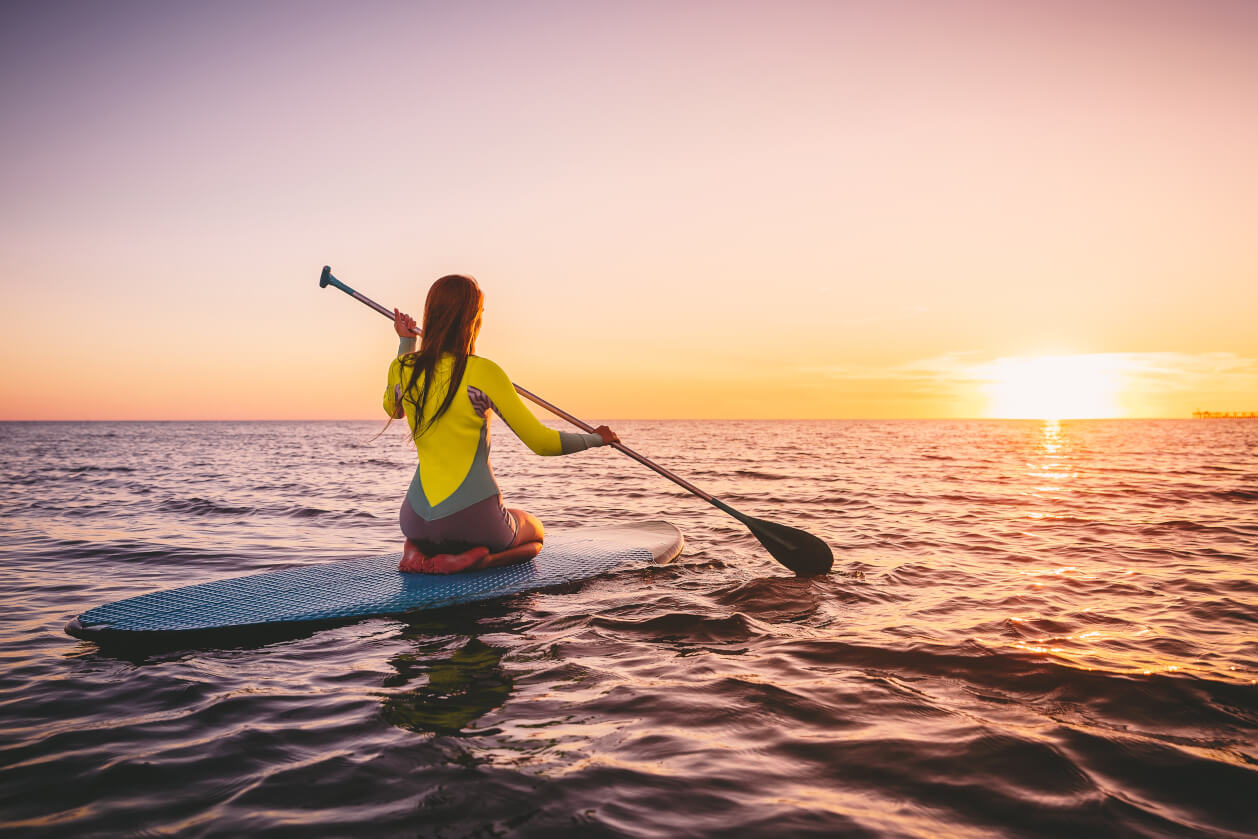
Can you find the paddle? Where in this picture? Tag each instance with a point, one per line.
(798, 550)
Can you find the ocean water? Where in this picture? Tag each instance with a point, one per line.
(1033, 629)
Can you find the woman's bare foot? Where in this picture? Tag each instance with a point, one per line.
(413, 558)
(415, 561)
(512, 555)
(469, 560)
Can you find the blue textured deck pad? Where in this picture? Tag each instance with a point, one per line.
(360, 587)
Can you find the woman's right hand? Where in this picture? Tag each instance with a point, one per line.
(404, 325)
(607, 434)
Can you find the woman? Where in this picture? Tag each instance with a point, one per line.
(452, 516)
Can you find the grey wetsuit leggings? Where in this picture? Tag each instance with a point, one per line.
(484, 523)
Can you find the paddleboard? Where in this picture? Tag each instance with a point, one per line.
(366, 587)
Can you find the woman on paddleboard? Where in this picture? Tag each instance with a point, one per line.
(453, 517)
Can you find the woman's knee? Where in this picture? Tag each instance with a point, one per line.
(528, 527)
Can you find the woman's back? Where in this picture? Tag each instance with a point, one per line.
(453, 508)
(454, 470)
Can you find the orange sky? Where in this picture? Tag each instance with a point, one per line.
(693, 209)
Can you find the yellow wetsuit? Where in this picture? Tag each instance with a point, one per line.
(454, 471)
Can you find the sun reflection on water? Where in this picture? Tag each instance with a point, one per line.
(1076, 593)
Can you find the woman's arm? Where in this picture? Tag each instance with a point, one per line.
(393, 405)
(404, 325)
(493, 382)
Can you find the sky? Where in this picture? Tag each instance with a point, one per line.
(675, 209)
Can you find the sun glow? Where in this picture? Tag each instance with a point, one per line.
(1053, 386)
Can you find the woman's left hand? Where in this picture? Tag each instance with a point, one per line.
(404, 325)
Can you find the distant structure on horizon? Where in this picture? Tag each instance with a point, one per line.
(1225, 414)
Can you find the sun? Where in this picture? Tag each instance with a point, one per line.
(1053, 386)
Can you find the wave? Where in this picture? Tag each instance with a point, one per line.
(760, 476)
(301, 512)
(1238, 495)
(688, 626)
(203, 507)
(82, 470)
(1198, 527)
(1149, 699)
(206, 507)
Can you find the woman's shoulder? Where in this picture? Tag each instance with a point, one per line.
(405, 361)
(483, 366)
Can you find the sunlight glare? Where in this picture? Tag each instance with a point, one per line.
(1053, 387)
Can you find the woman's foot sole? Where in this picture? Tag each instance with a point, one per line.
(414, 561)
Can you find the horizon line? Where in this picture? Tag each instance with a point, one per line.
(658, 419)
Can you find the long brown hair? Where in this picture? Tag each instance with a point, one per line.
(451, 323)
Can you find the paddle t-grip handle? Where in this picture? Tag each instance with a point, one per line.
(326, 279)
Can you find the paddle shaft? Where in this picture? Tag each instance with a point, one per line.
(327, 279)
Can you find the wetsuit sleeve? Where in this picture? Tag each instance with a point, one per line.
(393, 390)
(542, 440)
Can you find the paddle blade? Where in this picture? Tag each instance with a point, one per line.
(798, 550)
